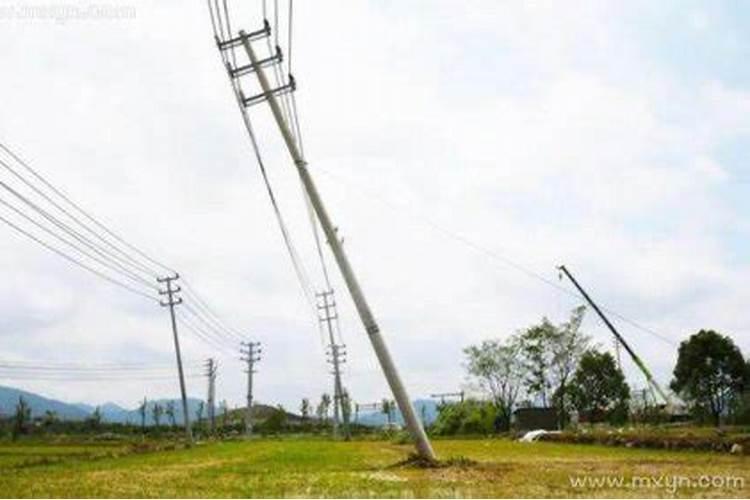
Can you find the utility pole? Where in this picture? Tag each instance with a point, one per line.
(652, 382)
(211, 367)
(327, 315)
(251, 354)
(424, 448)
(172, 301)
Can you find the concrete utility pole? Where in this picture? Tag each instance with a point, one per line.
(211, 368)
(172, 301)
(413, 423)
(251, 354)
(336, 356)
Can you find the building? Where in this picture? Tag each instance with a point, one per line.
(528, 419)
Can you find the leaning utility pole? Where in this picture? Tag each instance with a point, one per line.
(211, 368)
(652, 382)
(336, 356)
(251, 354)
(172, 301)
(269, 94)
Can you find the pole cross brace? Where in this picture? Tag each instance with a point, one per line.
(237, 41)
(175, 302)
(278, 91)
(247, 69)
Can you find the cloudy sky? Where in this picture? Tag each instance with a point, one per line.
(453, 141)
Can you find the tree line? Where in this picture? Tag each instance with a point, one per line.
(558, 366)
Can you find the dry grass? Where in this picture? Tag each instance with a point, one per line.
(315, 468)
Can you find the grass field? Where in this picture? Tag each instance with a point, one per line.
(313, 468)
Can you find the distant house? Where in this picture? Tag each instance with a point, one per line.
(528, 419)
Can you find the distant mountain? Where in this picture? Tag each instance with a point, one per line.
(110, 412)
(39, 404)
(117, 414)
(85, 407)
(426, 410)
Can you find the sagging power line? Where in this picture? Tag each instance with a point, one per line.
(44, 214)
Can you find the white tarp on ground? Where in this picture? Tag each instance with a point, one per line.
(532, 436)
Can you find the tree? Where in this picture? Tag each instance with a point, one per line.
(567, 344)
(95, 419)
(387, 406)
(598, 389)
(199, 412)
(709, 374)
(466, 417)
(50, 418)
(346, 405)
(276, 422)
(22, 418)
(224, 406)
(324, 407)
(305, 409)
(550, 356)
(169, 411)
(142, 411)
(537, 355)
(156, 412)
(497, 369)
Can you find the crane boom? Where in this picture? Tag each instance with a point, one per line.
(639, 363)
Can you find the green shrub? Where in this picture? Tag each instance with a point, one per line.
(468, 417)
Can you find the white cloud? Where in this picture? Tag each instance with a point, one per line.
(537, 130)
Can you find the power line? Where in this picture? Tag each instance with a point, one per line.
(112, 265)
(65, 368)
(202, 335)
(202, 304)
(88, 377)
(299, 269)
(217, 333)
(78, 262)
(492, 255)
(289, 33)
(101, 251)
(84, 213)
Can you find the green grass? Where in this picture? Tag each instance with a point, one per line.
(316, 467)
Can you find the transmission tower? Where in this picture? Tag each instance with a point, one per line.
(250, 354)
(172, 300)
